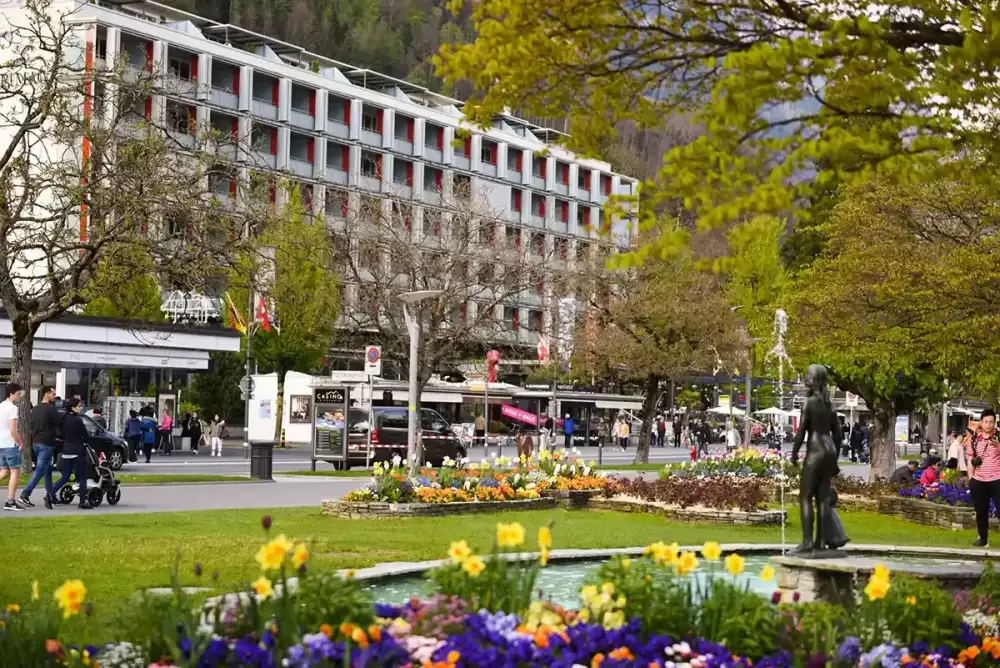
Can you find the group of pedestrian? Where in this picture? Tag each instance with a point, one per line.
(658, 433)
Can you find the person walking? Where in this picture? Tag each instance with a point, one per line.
(622, 432)
(148, 429)
(74, 454)
(166, 433)
(678, 429)
(661, 430)
(704, 437)
(133, 435)
(733, 439)
(857, 442)
(195, 431)
(654, 433)
(956, 451)
(45, 426)
(186, 429)
(215, 435)
(983, 454)
(479, 430)
(11, 446)
(568, 428)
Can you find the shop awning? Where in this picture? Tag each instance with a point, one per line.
(618, 405)
(429, 397)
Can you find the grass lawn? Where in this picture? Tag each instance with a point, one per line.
(330, 473)
(117, 554)
(154, 479)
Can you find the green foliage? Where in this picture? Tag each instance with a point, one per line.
(124, 286)
(913, 610)
(217, 392)
(24, 632)
(810, 628)
(989, 584)
(691, 399)
(504, 585)
(328, 598)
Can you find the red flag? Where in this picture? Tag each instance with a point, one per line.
(262, 317)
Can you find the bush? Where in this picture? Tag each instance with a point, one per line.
(331, 599)
(725, 492)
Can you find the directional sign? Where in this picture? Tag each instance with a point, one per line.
(373, 360)
(246, 386)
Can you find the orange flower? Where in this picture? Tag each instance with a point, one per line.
(53, 646)
(621, 654)
(453, 657)
(967, 655)
(326, 630)
(359, 638)
(541, 637)
(597, 660)
(346, 629)
(375, 633)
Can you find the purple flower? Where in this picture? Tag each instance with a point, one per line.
(849, 650)
(266, 522)
(388, 611)
(817, 660)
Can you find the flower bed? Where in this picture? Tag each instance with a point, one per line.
(716, 515)
(374, 510)
(723, 492)
(928, 512)
(740, 463)
(639, 612)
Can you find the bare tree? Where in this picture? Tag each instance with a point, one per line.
(102, 165)
(493, 277)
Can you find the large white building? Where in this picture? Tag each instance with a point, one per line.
(343, 133)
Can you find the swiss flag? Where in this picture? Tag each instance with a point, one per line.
(262, 316)
(543, 349)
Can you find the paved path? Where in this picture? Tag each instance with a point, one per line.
(285, 492)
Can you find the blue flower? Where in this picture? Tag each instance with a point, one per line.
(387, 611)
(850, 649)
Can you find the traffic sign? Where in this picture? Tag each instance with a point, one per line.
(373, 360)
(348, 376)
(246, 385)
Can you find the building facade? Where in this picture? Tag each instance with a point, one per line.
(343, 134)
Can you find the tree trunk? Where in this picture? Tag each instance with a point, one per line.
(279, 406)
(20, 373)
(648, 411)
(883, 442)
(933, 434)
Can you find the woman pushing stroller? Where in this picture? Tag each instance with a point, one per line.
(74, 455)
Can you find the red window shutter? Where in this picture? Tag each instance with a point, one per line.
(232, 186)
(563, 249)
(274, 141)
(347, 113)
(540, 285)
(310, 150)
(540, 244)
(343, 205)
(541, 207)
(345, 158)
(272, 193)
(407, 223)
(565, 173)
(236, 80)
(517, 200)
(192, 120)
(378, 166)
(149, 56)
(586, 181)
(307, 198)
(517, 241)
(440, 138)
(516, 321)
(438, 175)
(468, 147)
(148, 107)
(409, 173)
(409, 129)
(312, 103)
(463, 312)
(519, 161)
(607, 184)
(564, 211)
(544, 166)
(234, 128)
(194, 68)
(274, 93)
(379, 119)
(437, 225)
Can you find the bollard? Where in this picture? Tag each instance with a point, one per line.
(282, 444)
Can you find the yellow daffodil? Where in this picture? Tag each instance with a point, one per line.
(877, 589)
(272, 555)
(613, 620)
(263, 588)
(70, 597)
(734, 564)
(299, 555)
(13, 607)
(543, 557)
(545, 537)
(588, 594)
(711, 551)
(881, 572)
(474, 566)
(686, 563)
(349, 574)
(459, 551)
(626, 563)
(663, 553)
(608, 588)
(911, 600)
(767, 573)
(34, 590)
(510, 535)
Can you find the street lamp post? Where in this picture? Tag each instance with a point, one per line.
(413, 327)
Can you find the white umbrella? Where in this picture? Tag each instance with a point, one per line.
(723, 410)
(773, 410)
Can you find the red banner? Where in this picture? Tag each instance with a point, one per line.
(515, 413)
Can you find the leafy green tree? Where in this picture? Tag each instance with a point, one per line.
(779, 86)
(122, 292)
(305, 295)
(217, 392)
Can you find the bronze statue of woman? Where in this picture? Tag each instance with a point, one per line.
(819, 421)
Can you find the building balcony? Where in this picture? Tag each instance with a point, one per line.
(433, 154)
(224, 98)
(403, 146)
(602, 198)
(513, 175)
(487, 168)
(432, 196)
(370, 183)
(582, 193)
(336, 175)
(227, 151)
(538, 181)
(371, 138)
(264, 109)
(337, 128)
(265, 159)
(180, 87)
(300, 167)
(535, 219)
(401, 190)
(462, 162)
(184, 139)
(562, 188)
(301, 119)
(514, 216)
(559, 226)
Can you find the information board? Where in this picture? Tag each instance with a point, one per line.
(330, 406)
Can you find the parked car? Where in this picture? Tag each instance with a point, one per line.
(388, 438)
(114, 447)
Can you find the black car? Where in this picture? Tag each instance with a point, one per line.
(103, 441)
(388, 438)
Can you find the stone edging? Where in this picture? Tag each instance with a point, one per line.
(718, 515)
(929, 513)
(356, 510)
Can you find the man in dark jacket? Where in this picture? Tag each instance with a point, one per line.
(904, 474)
(45, 426)
(857, 442)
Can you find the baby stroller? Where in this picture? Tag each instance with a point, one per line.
(101, 482)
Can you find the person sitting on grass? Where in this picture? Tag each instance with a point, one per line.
(932, 473)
